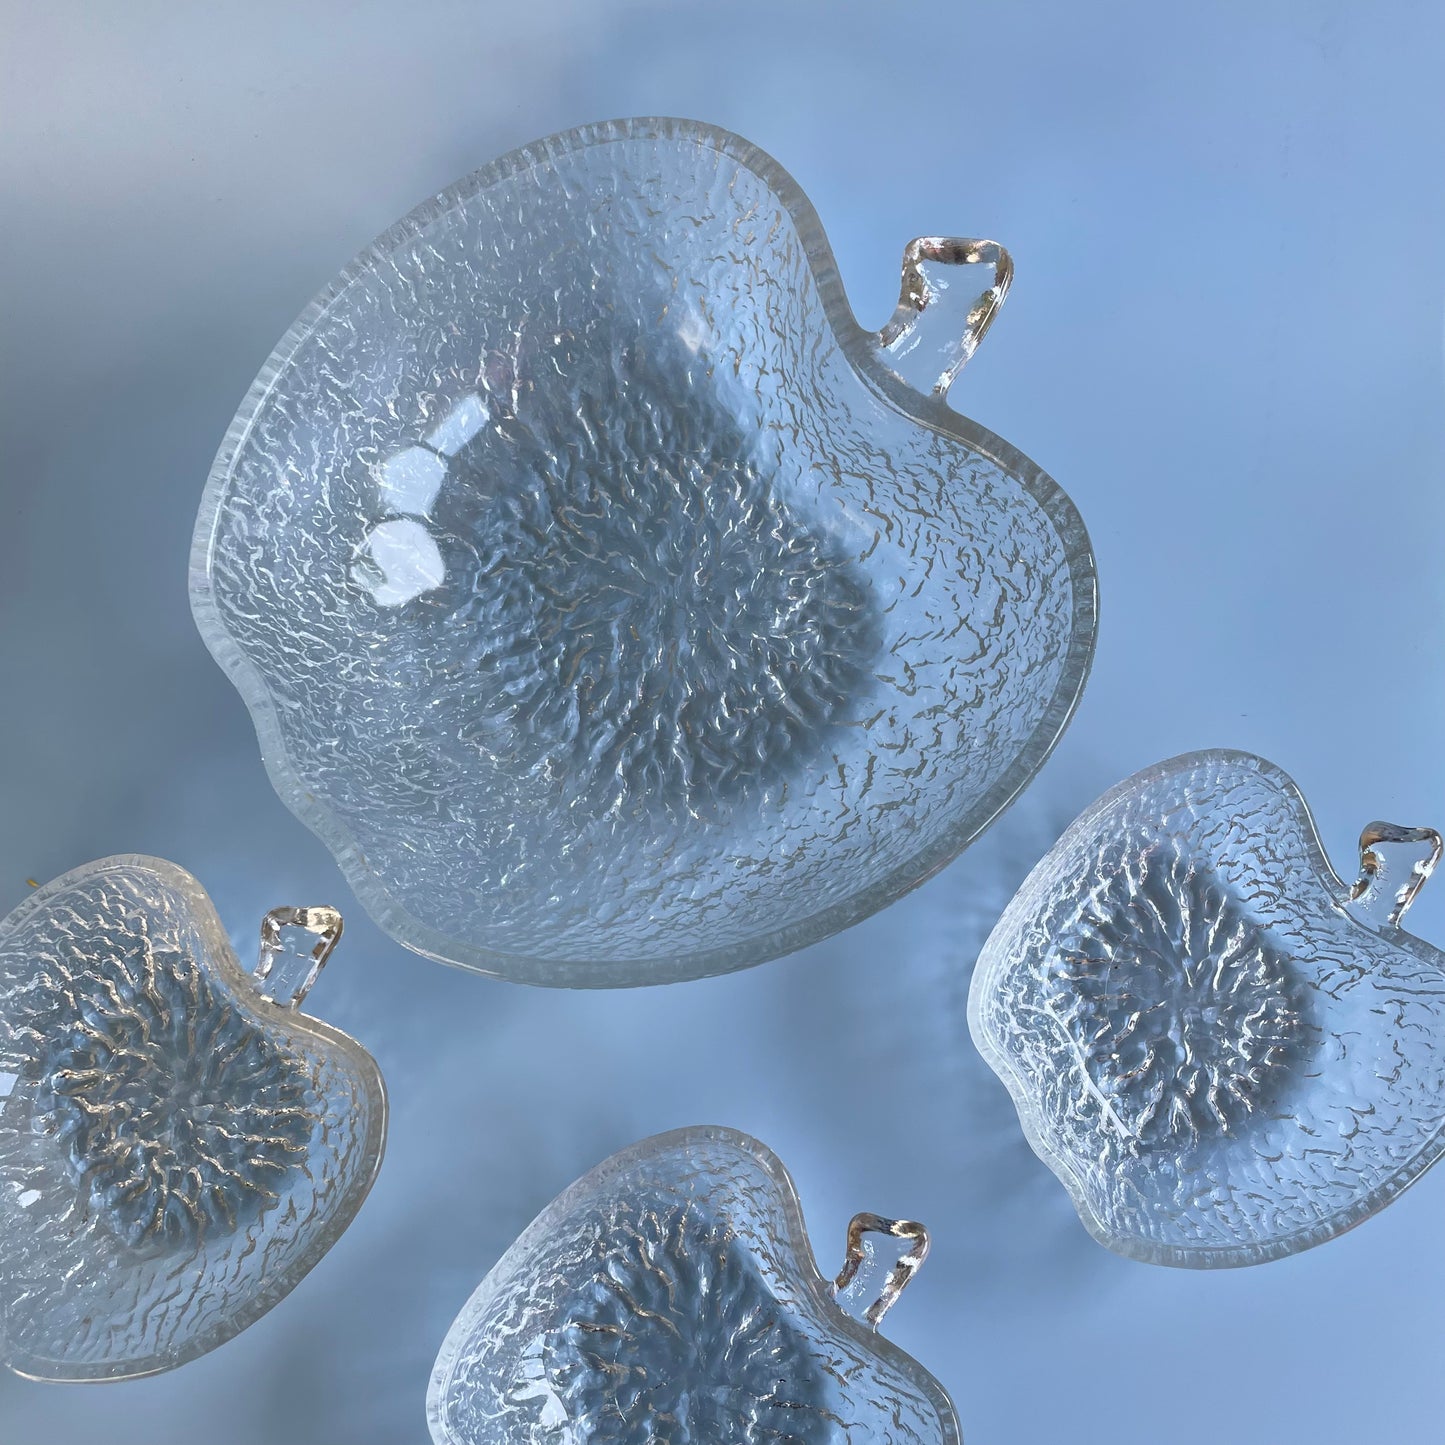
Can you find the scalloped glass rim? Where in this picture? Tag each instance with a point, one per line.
(858, 345)
(818, 1286)
(208, 921)
(1030, 1119)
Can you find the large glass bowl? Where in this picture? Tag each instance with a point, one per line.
(611, 603)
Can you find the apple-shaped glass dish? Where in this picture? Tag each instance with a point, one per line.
(671, 1294)
(614, 606)
(1225, 1052)
(179, 1143)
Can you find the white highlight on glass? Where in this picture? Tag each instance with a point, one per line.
(459, 425)
(407, 558)
(693, 330)
(410, 480)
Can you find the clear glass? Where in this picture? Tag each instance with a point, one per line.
(176, 1149)
(1224, 1052)
(671, 1295)
(607, 599)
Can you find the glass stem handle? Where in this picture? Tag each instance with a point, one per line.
(320, 922)
(941, 317)
(1371, 895)
(860, 1252)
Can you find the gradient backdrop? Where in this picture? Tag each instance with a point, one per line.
(1225, 340)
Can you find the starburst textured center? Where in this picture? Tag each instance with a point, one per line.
(638, 617)
(675, 1340)
(1182, 1010)
(179, 1117)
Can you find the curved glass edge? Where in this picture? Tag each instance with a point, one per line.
(819, 1288)
(859, 346)
(998, 1059)
(203, 911)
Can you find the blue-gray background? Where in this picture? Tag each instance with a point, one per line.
(1225, 340)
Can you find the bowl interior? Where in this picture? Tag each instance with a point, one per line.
(665, 1296)
(175, 1151)
(1220, 1061)
(595, 599)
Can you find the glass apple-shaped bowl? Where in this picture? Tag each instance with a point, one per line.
(672, 1294)
(1225, 1052)
(611, 603)
(179, 1142)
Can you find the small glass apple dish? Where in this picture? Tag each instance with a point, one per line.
(615, 607)
(1225, 1052)
(180, 1144)
(672, 1294)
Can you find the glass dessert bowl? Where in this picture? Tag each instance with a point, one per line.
(1225, 1052)
(612, 604)
(672, 1295)
(179, 1143)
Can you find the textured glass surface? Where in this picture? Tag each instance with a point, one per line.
(670, 1298)
(1256, 441)
(603, 595)
(1220, 1060)
(175, 1151)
